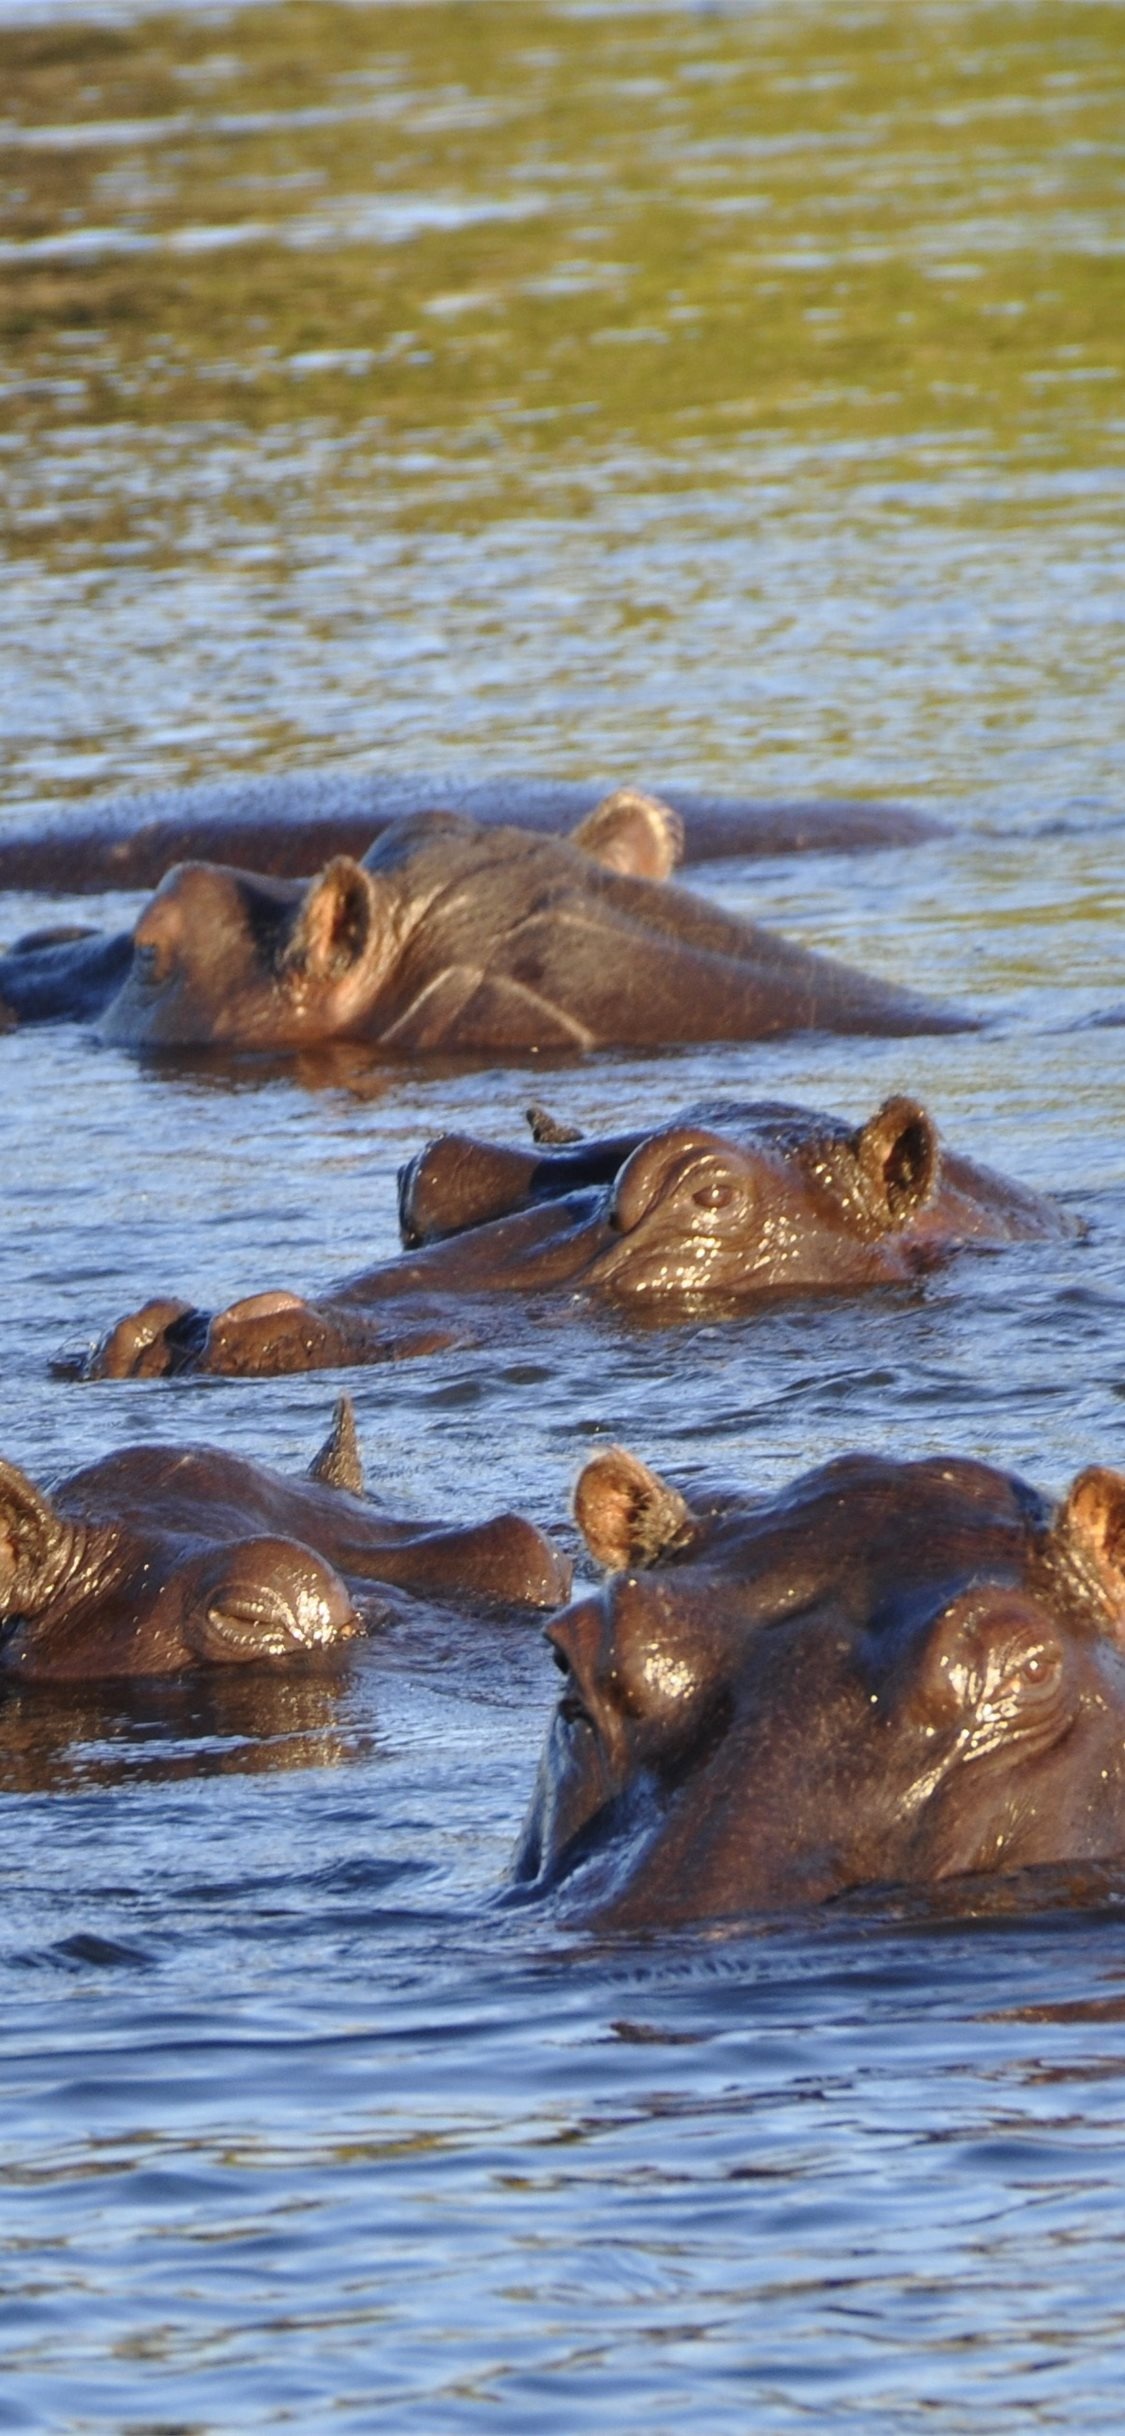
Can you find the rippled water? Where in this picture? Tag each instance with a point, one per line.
(725, 393)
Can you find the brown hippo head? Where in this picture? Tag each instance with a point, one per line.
(743, 1196)
(732, 1203)
(891, 1672)
(223, 956)
(458, 938)
(83, 1596)
(791, 1199)
(157, 1558)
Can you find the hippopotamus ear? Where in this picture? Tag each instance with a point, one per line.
(30, 1533)
(334, 923)
(627, 1515)
(898, 1154)
(549, 1130)
(1091, 1526)
(338, 1463)
(633, 833)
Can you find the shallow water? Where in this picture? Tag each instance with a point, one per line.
(732, 394)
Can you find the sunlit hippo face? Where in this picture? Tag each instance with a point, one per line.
(457, 936)
(805, 1203)
(893, 1672)
(225, 956)
(736, 1198)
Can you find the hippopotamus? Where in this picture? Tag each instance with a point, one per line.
(454, 937)
(892, 1672)
(68, 971)
(157, 1559)
(290, 825)
(724, 1205)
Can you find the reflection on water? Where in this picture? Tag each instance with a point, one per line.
(227, 1721)
(732, 391)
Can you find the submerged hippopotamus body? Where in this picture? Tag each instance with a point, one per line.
(289, 825)
(456, 938)
(157, 1559)
(724, 1206)
(892, 1672)
(68, 971)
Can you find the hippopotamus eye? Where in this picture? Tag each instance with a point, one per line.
(714, 1196)
(1038, 1668)
(1032, 1671)
(153, 958)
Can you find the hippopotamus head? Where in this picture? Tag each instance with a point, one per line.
(82, 1595)
(223, 956)
(787, 1199)
(892, 1672)
(227, 956)
(732, 1204)
(158, 1558)
(735, 1198)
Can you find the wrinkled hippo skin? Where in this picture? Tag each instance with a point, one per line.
(289, 826)
(729, 1203)
(890, 1673)
(157, 1559)
(453, 938)
(66, 974)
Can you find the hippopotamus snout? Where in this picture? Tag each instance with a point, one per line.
(639, 1668)
(193, 945)
(188, 915)
(687, 1168)
(455, 1183)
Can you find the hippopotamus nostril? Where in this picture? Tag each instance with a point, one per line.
(264, 1306)
(276, 1599)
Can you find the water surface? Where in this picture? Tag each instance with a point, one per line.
(732, 394)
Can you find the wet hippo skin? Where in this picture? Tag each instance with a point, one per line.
(822, 1194)
(454, 938)
(157, 1559)
(289, 826)
(720, 1207)
(892, 1672)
